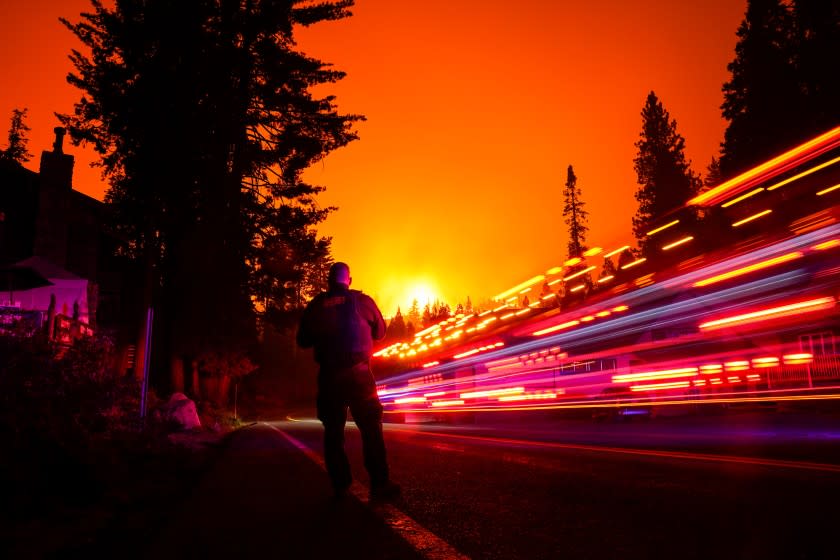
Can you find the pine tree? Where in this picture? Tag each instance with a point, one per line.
(468, 307)
(396, 328)
(665, 178)
(16, 149)
(574, 215)
(413, 315)
(205, 119)
(763, 101)
(607, 269)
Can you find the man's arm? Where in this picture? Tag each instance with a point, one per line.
(375, 319)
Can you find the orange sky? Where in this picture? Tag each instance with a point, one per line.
(475, 109)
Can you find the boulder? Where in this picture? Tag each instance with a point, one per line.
(179, 412)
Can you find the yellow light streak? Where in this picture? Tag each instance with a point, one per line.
(620, 308)
(555, 270)
(738, 365)
(831, 136)
(525, 284)
(711, 369)
(492, 393)
(578, 273)
(803, 174)
(523, 311)
(592, 252)
(555, 281)
(748, 269)
(769, 361)
(434, 394)
(827, 245)
(666, 226)
(577, 288)
(828, 190)
(742, 197)
(528, 397)
(573, 261)
(678, 243)
(606, 278)
(797, 359)
(603, 314)
(507, 316)
(653, 375)
(616, 251)
(802, 306)
(660, 386)
(430, 364)
(455, 402)
(751, 218)
(556, 328)
(634, 263)
(406, 400)
(587, 318)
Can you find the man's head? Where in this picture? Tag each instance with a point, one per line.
(339, 274)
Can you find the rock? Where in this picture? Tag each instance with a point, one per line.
(179, 412)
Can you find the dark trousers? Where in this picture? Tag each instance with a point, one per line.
(355, 388)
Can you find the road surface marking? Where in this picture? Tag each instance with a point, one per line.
(736, 459)
(421, 539)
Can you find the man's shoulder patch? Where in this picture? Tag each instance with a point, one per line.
(333, 301)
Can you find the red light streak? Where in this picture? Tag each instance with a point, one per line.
(748, 269)
(682, 241)
(751, 218)
(666, 226)
(771, 313)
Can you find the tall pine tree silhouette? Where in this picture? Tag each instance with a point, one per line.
(574, 215)
(665, 177)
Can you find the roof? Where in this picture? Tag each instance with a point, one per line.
(46, 268)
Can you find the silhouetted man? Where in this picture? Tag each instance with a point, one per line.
(341, 324)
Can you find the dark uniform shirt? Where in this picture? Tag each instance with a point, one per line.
(341, 324)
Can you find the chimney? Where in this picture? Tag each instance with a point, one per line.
(55, 185)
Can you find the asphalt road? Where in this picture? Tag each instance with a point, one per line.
(756, 485)
(753, 485)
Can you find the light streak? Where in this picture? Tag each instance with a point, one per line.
(798, 359)
(577, 288)
(666, 226)
(771, 313)
(742, 197)
(751, 218)
(634, 263)
(803, 174)
(587, 318)
(455, 402)
(523, 311)
(555, 281)
(824, 141)
(678, 243)
(555, 270)
(603, 314)
(620, 308)
(769, 361)
(556, 328)
(430, 364)
(659, 386)
(592, 252)
(507, 316)
(573, 261)
(828, 190)
(606, 278)
(549, 296)
(738, 365)
(652, 375)
(500, 307)
(710, 369)
(753, 376)
(734, 379)
(616, 251)
(578, 273)
(406, 400)
(492, 393)
(748, 269)
(525, 284)
(434, 394)
(827, 245)
(528, 397)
